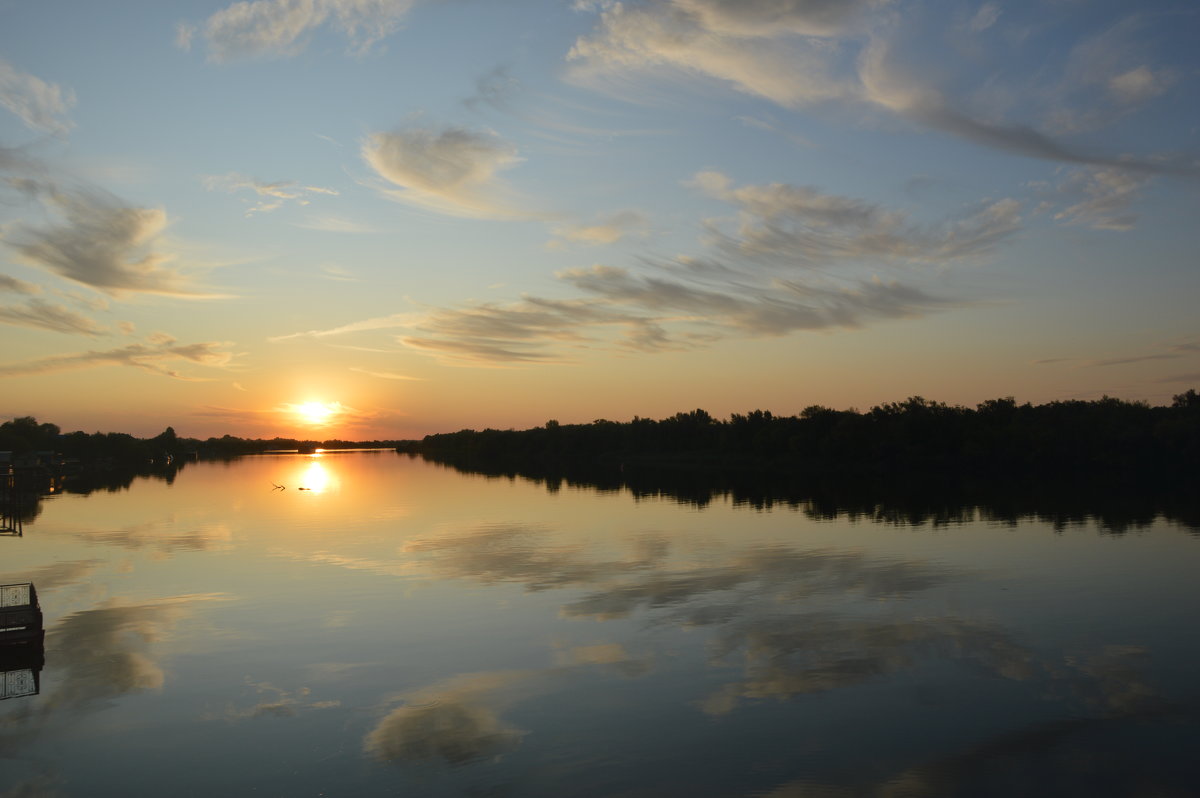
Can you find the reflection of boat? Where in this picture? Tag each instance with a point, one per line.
(22, 653)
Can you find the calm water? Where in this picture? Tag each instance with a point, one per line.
(402, 629)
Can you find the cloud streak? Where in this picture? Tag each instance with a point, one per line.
(39, 314)
(40, 105)
(150, 357)
(766, 277)
(797, 54)
(779, 51)
(808, 226)
(272, 195)
(606, 230)
(1105, 194)
(283, 28)
(13, 285)
(101, 242)
(336, 224)
(387, 375)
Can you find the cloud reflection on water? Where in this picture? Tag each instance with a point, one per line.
(453, 722)
(55, 575)
(96, 656)
(273, 702)
(802, 653)
(522, 553)
(794, 621)
(164, 536)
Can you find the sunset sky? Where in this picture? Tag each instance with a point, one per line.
(385, 218)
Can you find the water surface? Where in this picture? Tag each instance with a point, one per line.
(386, 626)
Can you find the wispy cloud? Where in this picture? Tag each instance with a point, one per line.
(809, 226)
(493, 90)
(331, 271)
(1138, 85)
(1192, 377)
(387, 375)
(99, 241)
(771, 275)
(335, 224)
(39, 314)
(797, 54)
(607, 230)
(774, 127)
(1124, 361)
(380, 323)
(623, 310)
(40, 105)
(783, 52)
(1105, 196)
(984, 18)
(450, 170)
(15, 286)
(521, 332)
(150, 357)
(888, 84)
(282, 28)
(1106, 75)
(272, 195)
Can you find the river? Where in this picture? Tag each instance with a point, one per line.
(382, 626)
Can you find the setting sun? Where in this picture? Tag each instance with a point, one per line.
(316, 414)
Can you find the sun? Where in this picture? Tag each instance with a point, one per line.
(317, 414)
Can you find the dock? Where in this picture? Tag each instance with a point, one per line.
(22, 641)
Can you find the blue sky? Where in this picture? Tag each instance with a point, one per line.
(428, 215)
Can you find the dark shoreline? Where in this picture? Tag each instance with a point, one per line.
(1127, 462)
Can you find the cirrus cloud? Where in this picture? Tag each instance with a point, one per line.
(272, 195)
(40, 105)
(39, 314)
(102, 242)
(607, 230)
(151, 356)
(766, 277)
(782, 51)
(281, 28)
(796, 53)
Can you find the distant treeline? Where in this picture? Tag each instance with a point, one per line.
(998, 436)
(919, 435)
(23, 436)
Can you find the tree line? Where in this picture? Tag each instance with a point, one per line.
(26, 435)
(917, 435)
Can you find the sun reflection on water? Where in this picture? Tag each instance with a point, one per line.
(316, 478)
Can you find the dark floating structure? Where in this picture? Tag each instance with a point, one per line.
(22, 641)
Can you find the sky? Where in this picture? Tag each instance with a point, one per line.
(374, 219)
